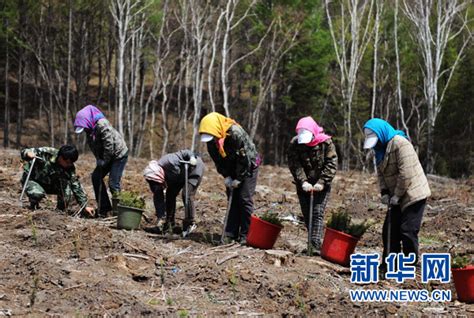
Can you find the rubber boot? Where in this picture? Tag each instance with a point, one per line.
(115, 202)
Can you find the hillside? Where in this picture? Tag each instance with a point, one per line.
(54, 264)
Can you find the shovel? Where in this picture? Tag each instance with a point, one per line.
(99, 201)
(192, 227)
(229, 204)
(26, 181)
(389, 230)
(310, 223)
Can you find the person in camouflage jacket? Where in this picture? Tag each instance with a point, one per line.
(109, 149)
(236, 159)
(53, 173)
(312, 160)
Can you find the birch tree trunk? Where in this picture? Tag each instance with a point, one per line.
(378, 12)
(349, 49)
(6, 112)
(435, 23)
(68, 81)
(281, 43)
(230, 25)
(121, 12)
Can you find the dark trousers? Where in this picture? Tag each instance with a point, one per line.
(115, 168)
(320, 200)
(241, 207)
(404, 229)
(169, 205)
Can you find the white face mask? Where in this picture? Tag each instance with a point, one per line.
(371, 138)
(304, 136)
(206, 137)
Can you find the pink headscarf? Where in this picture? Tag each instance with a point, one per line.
(154, 172)
(308, 123)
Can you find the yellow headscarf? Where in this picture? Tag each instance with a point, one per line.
(216, 125)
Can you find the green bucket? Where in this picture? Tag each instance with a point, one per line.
(128, 218)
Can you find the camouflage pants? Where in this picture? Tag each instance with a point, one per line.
(36, 192)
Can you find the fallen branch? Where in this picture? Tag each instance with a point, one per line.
(136, 256)
(183, 250)
(223, 246)
(226, 258)
(140, 250)
(75, 286)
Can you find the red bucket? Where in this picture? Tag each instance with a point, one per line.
(338, 247)
(464, 282)
(262, 234)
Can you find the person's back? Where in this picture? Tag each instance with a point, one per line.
(241, 154)
(169, 173)
(174, 168)
(106, 143)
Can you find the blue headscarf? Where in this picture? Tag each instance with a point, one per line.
(385, 132)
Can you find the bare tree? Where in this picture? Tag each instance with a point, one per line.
(6, 113)
(68, 80)
(378, 13)
(281, 41)
(123, 12)
(435, 24)
(229, 26)
(350, 45)
(401, 111)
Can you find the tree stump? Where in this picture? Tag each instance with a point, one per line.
(278, 257)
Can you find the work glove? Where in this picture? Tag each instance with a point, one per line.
(235, 184)
(385, 199)
(228, 182)
(394, 200)
(318, 187)
(307, 187)
(193, 161)
(100, 163)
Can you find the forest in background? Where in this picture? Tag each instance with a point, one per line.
(155, 67)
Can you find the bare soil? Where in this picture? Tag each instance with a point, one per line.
(53, 264)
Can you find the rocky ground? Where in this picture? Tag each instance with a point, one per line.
(53, 264)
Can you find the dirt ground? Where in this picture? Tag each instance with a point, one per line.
(53, 264)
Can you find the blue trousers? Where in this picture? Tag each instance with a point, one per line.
(115, 168)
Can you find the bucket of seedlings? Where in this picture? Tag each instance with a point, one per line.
(462, 269)
(129, 210)
(341, 237)
(264, 230)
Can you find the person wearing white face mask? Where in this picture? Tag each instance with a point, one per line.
(403, 185)
(312, 160)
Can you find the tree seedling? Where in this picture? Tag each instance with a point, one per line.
(233, 280)
(272, 218)
(33, 291)
(131, 199)
(341, 221)
(461, 261)
(34, 232)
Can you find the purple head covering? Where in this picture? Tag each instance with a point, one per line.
(88, 117)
